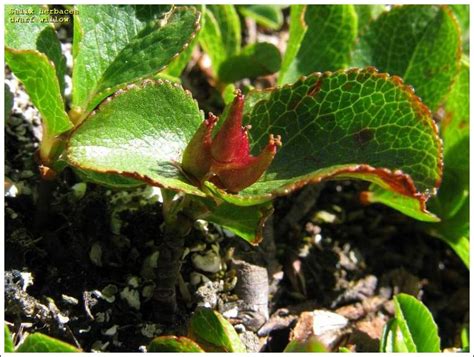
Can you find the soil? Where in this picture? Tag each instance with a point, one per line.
(89, 270)
(79, 260)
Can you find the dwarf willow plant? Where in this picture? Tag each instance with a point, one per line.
(125, 127)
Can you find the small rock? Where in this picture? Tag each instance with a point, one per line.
(134, 282)
(148, 290)
(132, 297)
(95, 254)
(209, 262)
(325, 217)
(108, 293)
(196, 278)
(150, 330)
(69, 299)
(207, 294)
(250, 341)
(327, 326)
(99, 346)
(111, 331)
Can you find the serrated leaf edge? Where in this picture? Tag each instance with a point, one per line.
(110, 90)
(134, 175)
(56, 81)
(415, 100)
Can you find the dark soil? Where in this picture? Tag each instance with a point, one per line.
(332, 254)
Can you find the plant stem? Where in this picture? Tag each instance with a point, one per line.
(177, 226)
(43, 204)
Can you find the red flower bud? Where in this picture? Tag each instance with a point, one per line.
(225, 159)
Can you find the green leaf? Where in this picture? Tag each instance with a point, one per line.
(418, 43)
(245, 222)
(38, 76)
(462, 15)
(455, 231)
(220, 36)
(173, 344)
(347, 124)
(139, 133)
(312, 344)
(327, 42)
(34, 35)
(8, 340)
(177, 66)
(118, 44)
(418, 328)
(392, 338)
(38, 342)
(455, 124)
(297, 31)
(33, 53)
(366, 14)
(409, 206)
(108, 180)
(213, 332)
(229, 25)
(269, 16)
(452, 201)
(256, 59)
(465, 338)
(8, 97)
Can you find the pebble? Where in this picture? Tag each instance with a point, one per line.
(132, 297)
(69, 299)
(111, 331)
(150, 330)
(209, 262)
(95, 254)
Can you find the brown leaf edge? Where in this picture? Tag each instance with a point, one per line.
(108, 91)
(396, 180)
(134, 175)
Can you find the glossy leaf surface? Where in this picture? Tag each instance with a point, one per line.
(407, 205)
(342, 124)
(421, 44)
(140, 133)
(254, 60)
(38, 342)
(33, 53)
(213, 332)
(120, 44)
(37, 35)
(327, 41)
(416, 324)
(35, 71)
(392, 339)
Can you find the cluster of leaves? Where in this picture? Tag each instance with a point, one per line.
(439, 71)
(352, 123)
(221, 39)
